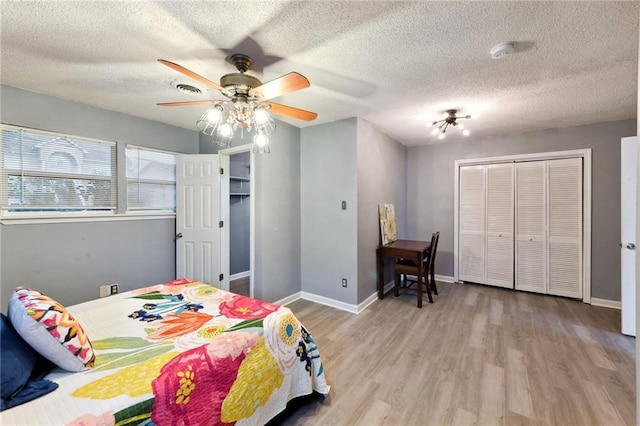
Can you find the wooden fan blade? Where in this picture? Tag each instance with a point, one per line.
(298, 113)
(191, 74)
(281, 86)
(186, 103)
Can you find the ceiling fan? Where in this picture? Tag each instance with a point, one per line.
(244, 90)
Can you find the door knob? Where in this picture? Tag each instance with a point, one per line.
(631, 246)
(178, 235)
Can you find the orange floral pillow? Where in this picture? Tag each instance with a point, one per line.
(50, 329)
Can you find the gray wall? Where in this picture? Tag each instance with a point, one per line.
(277, 221)
(70, 260)
(382, 178)
(328, 163)
(239, 216)
(431, 191)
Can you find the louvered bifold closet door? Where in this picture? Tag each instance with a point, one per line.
(531, 226)
(565, 227)
(472, 223)
(500, 205)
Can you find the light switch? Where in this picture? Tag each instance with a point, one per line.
(344, 205)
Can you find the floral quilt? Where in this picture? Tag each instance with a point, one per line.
(185, 353)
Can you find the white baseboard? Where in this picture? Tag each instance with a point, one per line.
(444, 278)
(354, 309)
(239, 275)
(289, 299)
(614, 304)
(330, 302)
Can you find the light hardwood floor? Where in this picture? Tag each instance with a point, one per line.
(477, 355)
(240, 286)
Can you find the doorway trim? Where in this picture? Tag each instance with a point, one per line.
(585, 154)
(225, 209)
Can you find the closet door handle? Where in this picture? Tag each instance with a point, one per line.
(178, 235)
(631, 246)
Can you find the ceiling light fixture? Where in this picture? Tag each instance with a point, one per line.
(226, 117)
(449, 120)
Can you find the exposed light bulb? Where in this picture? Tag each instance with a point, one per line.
(260, 139)
(225, 130)
(441, 135)
(466, 132)
(435, 131)
(260, 116)
(261, 143)
(263, 121)
(460, 126)
(214, 114)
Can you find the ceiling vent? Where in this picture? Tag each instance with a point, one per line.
(502, 49)
(187, 89)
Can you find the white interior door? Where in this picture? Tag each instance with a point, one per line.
(628, 234)
(531, 226)
(472, 224)
(500, 207)
(197, 218)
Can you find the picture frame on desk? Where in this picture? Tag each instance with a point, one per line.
(388, 229)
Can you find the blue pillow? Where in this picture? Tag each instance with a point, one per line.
(20, 368)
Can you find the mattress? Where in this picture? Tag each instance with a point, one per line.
(185, 353)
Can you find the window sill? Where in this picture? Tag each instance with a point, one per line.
(29, 220)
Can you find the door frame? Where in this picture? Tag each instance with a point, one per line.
(225, 208)
(585, 154)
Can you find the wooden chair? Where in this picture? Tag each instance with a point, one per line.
(404, 268)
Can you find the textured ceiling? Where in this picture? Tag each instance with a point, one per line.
(396, 64)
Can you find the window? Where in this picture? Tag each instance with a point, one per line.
(47, 172)
(151, 179)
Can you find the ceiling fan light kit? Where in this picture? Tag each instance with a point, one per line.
(247, 106)
(451, 119)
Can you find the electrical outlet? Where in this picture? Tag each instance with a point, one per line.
(105, 290)
(344, 282)
(108, 289)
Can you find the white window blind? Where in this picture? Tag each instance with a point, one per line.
(151, 179)
(52, 173)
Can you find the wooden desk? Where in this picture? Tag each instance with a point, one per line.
(402, 249)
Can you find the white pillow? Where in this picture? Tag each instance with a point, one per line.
(50, 329)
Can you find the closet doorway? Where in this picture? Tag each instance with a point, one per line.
(238, 223)
(524, 222)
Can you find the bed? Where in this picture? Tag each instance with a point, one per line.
(181, 352)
